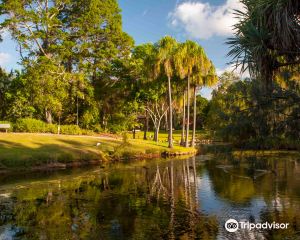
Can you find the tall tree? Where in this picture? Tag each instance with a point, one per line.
(183, 119)
(165, 63)
(74, 42)
(267, 38)
(188, 55)
(144, 57)
(205, 76)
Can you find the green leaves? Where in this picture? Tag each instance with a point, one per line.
(165, 60)
(266, 37)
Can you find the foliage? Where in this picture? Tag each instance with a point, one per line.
(67, 50)
(30, 125)
(70, 130)
(263, 112)
(267, 38)
(34, 126)
(241, 113)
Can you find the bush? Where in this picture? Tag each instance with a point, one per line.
(87, 132)
(51, 128)
(97, 128)
(70, 130)
(29, 125)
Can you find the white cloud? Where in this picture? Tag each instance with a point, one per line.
(202, 20)
(206, 93)
(232, 68)
(4, 58)
(4, 33)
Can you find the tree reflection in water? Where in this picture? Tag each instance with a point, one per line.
(152, 202)
(174, 199)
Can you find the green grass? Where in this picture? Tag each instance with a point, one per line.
(163, 135)
(28, 150)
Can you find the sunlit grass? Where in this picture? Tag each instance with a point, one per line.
(27, 150)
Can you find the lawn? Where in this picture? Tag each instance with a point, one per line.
(163, 135)
(25, 150)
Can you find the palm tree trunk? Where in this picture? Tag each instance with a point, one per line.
(195, 117)
(170, 137)
(188, 115)
(183, 121)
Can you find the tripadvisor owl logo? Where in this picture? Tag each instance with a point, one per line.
(231, 225)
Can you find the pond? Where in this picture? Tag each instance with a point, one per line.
(155, 199)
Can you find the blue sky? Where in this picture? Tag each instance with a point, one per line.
(149, 20)
(206, 21)
(209, 22)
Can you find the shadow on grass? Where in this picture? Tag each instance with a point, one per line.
(18, 155)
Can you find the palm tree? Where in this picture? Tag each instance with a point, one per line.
(267, 37)
(183, 121)
(186, 59)
(165, 61)
(204, 77)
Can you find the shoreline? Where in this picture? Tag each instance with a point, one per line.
(78, 164)
(40, 152)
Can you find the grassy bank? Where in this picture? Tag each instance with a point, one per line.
(19, 151)
(163, 135)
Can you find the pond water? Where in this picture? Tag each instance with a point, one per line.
(158, 199)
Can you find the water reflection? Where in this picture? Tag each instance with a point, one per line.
(174, 199)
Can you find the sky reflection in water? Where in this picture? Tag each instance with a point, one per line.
(163, 199)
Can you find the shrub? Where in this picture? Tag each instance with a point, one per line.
(87, 132)
(51, 128)
(5, 122)
(97, 128)
(70, 130)
(34, 126)
(29, 125)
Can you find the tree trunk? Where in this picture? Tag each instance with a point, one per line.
(77, 111)
(170, 135)
(156, 132)
(48, 116)
(166, 122)
(133, 132)
(146, 127)
(195, 116)
(183, 121)
(188, 115)
(58, 127)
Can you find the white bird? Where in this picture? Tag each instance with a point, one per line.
(98, 144)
